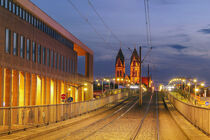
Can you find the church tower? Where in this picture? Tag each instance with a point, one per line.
(120, 67)
(134, 67)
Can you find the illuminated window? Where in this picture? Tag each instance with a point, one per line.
(28, 48)
(39, 54)
(34, 51)
(22, 46)
(15, 43)
(7, 41)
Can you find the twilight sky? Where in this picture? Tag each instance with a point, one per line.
(180, 33)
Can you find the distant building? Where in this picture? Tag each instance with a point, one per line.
(120, 67)
(120, 75)
(134, 68)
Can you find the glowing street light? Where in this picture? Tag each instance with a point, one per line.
(202, 84)
(195, 80)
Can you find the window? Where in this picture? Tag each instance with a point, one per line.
(62, 63)
(32, 20)
(39, 54)
(8, 40)
(59, 61)
(55, 60)
(52, 58)
(5, 3)
(22, 46)
(28, 48)
(64, 66)
(10, 6)
(13, 8)
(27, 16)
(17, 10)
(15, 43)
(34, 51)
(43, 56)
(48, 57)
(68, 65)
(2, 3)
(24, 15)
(73, 66)
(20, 14)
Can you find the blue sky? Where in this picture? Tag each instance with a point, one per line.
(180, 33)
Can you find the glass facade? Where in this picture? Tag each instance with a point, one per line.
(22, 46)
(7, 40)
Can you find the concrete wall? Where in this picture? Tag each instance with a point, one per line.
(198, 116)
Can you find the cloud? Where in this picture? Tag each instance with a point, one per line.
(177, 47)
(205, 31)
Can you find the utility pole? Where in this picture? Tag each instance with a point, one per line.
(148, 77)
(140, 78)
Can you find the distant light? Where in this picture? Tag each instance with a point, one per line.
(188, 84)
(85, 84)
(134, 87)
(202, 84)
(195, 80)
(96, 80)
(69, 89)
(85, 89)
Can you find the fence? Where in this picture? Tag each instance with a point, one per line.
(198, 116)
(17, 118)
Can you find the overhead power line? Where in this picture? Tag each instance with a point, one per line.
(102, 20)
(91, 25)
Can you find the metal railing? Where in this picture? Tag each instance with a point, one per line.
(17, 118)
(198, 116)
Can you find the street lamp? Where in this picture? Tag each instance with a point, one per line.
(109, 82)
(114, 83)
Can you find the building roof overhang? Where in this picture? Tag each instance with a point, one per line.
(79, 47)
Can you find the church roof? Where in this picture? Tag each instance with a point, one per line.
(134, 55)
(121, 56)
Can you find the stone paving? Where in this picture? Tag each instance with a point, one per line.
(172, 125)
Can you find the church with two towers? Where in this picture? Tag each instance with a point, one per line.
(120, 74)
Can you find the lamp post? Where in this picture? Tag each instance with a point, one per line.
(114, 83)
(118, 79)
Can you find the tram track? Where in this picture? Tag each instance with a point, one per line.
(99, 124)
